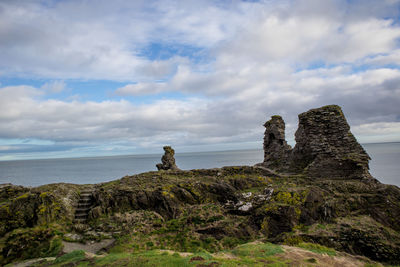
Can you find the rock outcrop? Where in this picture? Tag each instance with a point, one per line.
(214, 209)
(276, 149)
(325, 147)
(167, 160)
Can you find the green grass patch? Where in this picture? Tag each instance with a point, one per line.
(257, 250)
(115, 259)
(148, 258)
(317, 248)
(231, 242)
(256, 254)
(204, 254)
(76, 255)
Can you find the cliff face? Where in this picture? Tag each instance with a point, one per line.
(325, 147)
(212, 209)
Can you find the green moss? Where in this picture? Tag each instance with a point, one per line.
(265, 227)
(293, 240)
(43, 194)
(270, 207)
(276, 117)
(31, 243)
(231, 242)
(23, 196)
(291, 198)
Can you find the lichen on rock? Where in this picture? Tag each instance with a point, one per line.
(167, 160)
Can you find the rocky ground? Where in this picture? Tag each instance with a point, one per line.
(211, 210)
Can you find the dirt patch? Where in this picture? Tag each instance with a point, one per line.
(32, 261)
(197, 258)
(224, 255)
(182, 254)
(303, 257)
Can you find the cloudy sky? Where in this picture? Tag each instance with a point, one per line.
(100, 77)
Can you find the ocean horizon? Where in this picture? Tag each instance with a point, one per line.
(89, 170)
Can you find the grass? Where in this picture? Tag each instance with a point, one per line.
(255, 254)
(257, 250)
(317, 248)
(74, 256)
(252, 254)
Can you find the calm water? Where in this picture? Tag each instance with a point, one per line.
(384, 165)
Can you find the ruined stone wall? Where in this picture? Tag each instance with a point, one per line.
(276, 149)
(325, 147)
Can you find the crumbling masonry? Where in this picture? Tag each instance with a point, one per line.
(325, 147)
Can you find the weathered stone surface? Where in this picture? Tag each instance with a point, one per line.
(26, 207)
(325, 147)
(368, 238)
(276, 149)
(167, 160)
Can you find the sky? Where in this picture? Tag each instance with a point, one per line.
(100, 77)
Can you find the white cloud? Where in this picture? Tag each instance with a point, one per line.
(141, 89)
(103, 39)
(391, 58)
(368, 97)
(375, 132)
(54, 86)
(256, 60)
(303, 40)
(23, 115)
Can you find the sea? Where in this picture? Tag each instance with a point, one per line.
(384, 165)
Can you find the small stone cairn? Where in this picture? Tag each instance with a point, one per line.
(167, 160)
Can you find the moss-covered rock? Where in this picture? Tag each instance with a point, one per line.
(217, 209)
(36, 206)
(29, 243)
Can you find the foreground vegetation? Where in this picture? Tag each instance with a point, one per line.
(212, 214)
(250, 254)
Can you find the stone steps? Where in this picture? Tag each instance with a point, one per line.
(84, 206)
